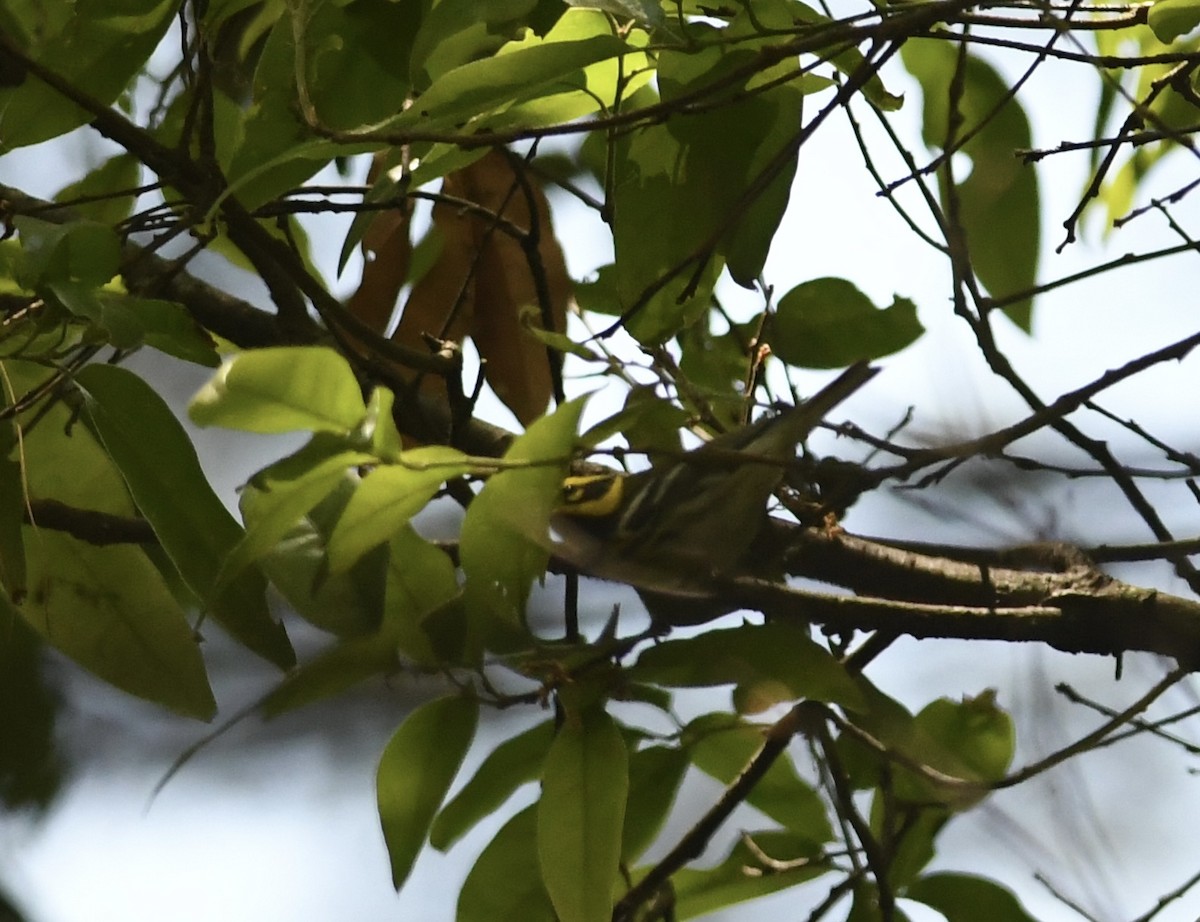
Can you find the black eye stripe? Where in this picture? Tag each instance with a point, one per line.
(587, 491)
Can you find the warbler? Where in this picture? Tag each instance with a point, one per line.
(670, 530)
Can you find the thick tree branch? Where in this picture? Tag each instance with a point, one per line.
(1077, 610)
(98, 528)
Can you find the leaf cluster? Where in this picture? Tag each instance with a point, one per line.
(679, 128)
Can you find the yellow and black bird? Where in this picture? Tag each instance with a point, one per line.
(672, 529)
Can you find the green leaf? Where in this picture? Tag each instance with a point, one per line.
(284, 492)
(110, 611)
(167, 327)
(585, 783)
(505, 536)
(415, 772)
(110, 185)
(387, 498)
(718, 365)
(455, 32)
(884, 719)
(282, 389)
(385, 189)
(998, 205)
(963, 898)
(1169, 19)
(655, 774)
(560, 342)
(648, 422)
(971, 740)
(653, 200)
(698, 892)
(98, 47)
(352, 46)
(160, 466)
(476, 89)
(82, 250)
(790, 13)
(829, 323)
(769, 663)
(380, 426)
(348, 605)
(648, 14)
(514, 762)
(599, 86)
(343, 48)
(420, 581)
(913, 831)
(975, 732)
(709, 188)
(598, 294)
(64, 462)
(132, 322)
(722, 746)
(505, 885)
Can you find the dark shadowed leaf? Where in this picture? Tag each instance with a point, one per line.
(998, 204)
(96, 46)
(829, 323)
(964, 898)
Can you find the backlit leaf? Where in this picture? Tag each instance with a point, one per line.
(109, 610)
(387, 498)
(159, 464)
(964, 897)
(281, 390)
(580, 816)
(415, 771)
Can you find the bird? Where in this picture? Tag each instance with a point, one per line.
(672, 531)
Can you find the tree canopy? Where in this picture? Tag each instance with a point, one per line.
(448, 139)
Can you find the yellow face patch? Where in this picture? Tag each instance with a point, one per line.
(594, 495)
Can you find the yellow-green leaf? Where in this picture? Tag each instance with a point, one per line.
(282, 389)
(415, 772)
(387, 498)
